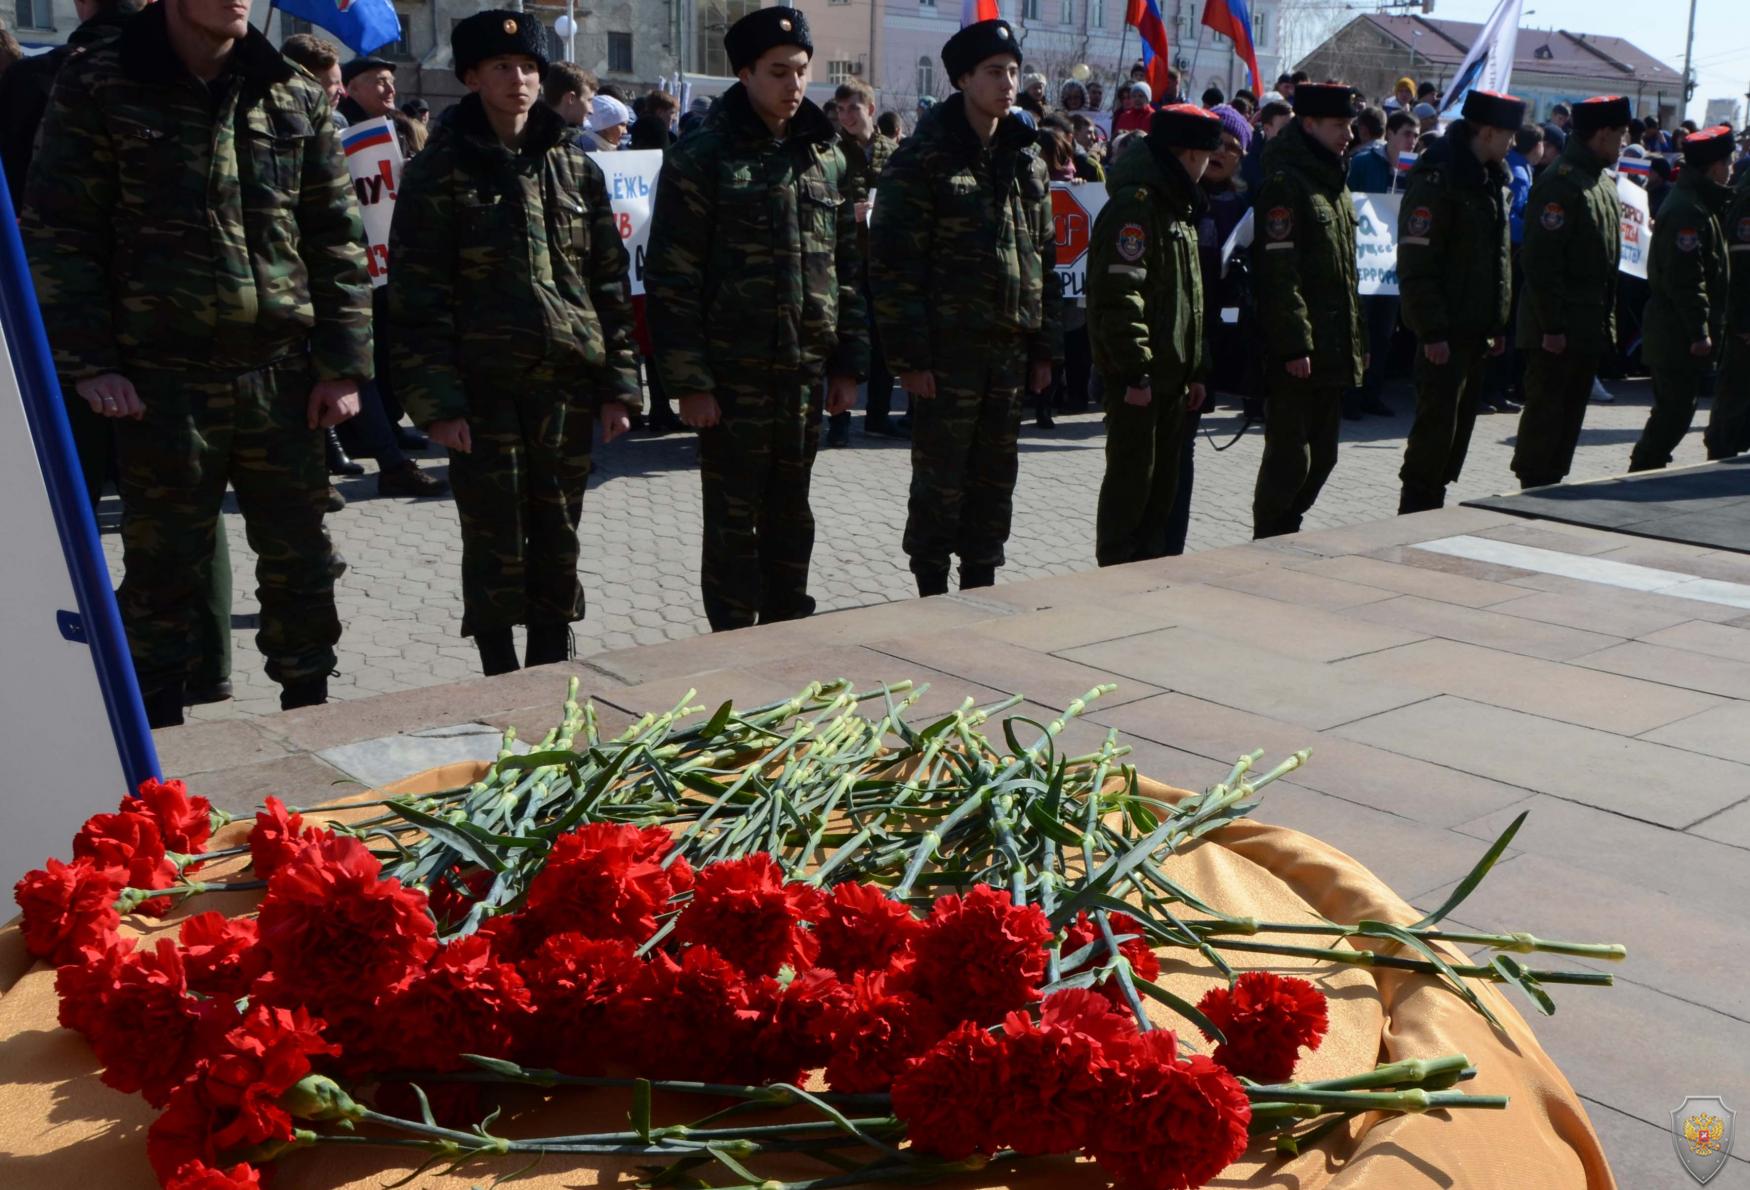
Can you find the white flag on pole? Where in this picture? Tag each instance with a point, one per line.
(1489, 65)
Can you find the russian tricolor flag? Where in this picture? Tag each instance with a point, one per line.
(1145, 17)
(974, 11)
(366, 137)
(1233, 19)
(1641, 167)
(1406, 162)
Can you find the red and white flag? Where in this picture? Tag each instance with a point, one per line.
(973, 11)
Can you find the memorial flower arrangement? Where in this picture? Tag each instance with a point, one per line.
(886, 951)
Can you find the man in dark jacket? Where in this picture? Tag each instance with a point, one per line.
(1728, 425)
(1453, 275)
(1314, 343)
(866, 152)
(751, 279)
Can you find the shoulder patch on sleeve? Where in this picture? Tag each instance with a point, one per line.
(1421, 219)
(1742, 230)
(1132, 241)
(1553, 217)
(1279, 223)
(1688, 239)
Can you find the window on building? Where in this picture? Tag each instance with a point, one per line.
(926, 3)
(295, 25)
(1068, 15)
(620, 53)
(1029, 10)
(35, 14)
(714, 19)
(1261, 29)
(840, 70)
(1096, 14)
(401, 49)
(926, 76)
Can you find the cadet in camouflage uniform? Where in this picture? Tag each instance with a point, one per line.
(866, 152)
(1308, 304)
(1145, 326)
(1728, 425)
(1689, 275)
(196, 250)
(1567, 308)
(510, 327)
(1455, 277)
(962, 266)
(751, 293)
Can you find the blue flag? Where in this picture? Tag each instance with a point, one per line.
(361, 25)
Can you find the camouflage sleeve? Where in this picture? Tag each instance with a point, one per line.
(1282, 306)
(1424, 223)
(330, 242)
(674, 271)
(899, 261)
(1120, 247)
(1681, 244)
(70, 191)
(1551, 226)
(1737, 225)
(1047, 342)
(421, 303)
(611, 295)
(851, 358)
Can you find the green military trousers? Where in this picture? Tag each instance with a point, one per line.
(1446, 413)
(519, 494)
(1302, 420)
(755, 466)
(964, 459)
(1557, 388)
(1728, 423)
(1144, 445)
(200, 432)
(1677, 388)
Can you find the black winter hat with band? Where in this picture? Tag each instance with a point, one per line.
(1704, 148)
(1185, 126)
(1491, 109)
(1601, 111)
(973, 44)
(494, 33)
(765, 29)
(1324, 99)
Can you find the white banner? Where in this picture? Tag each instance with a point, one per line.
(373, 158)
(632, 192)
(1489, 65)
(1376, 243)
(1637, 228)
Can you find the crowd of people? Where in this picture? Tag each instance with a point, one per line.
(201, 267)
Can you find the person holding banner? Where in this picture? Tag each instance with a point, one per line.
(1567, 309)
(866, 152)
(751, 286)
(1728, 425)
(1308, 303)
(1689, 275)
(1454, 277)
(510, 331)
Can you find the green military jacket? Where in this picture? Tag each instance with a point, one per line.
(1736, 225)
(963, 243)
(1303, 255)
(863, 166)
(1688, 271)
(1455, 245)
(505, 263)
(1145, 286)
(753, 262)
(178, 225)
(1573, 245)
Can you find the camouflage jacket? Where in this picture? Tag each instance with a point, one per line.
(1688, 271)
(1303, 258)
(503, 263)
(1573, 245)
(963, 243)
(177, 225)
(1736, 223)
(1145, 284)
(753, 262)
(24, 95)
(1454, 245)
(863, 166)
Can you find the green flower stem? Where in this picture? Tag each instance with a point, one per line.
(1368, 958)
(1516, 943)
(1412, 1101)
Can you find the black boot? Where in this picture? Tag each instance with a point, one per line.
(931, 582)
(838, 430)
(548, 644)
(497, 651)
(305, 692)
(338, 462)
(973, 577)
(163, 706)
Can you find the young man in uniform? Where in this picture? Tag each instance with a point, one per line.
(1728, 425)
(1304, 263)
(1689, 274)
(1454, 273)
(751, 282)
(1145, 325)
(510, 328)
(963, 269)
(1567, 308)
(866, 152)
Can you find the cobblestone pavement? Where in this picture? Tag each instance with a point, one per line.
(400, 601)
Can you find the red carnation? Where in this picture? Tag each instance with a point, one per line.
(863, 929)
(876, 1032)
(129, 841)
(146, 1029)
(799, 1037)
(1266, 1019)
(221, 955)
(1141, 957)
(185, 822)
(1170, 1124)
(574, 983)
(606, 881)
(1059, 1070)
(68, 908)
(198, 1175)
(83, 984)
(278, 837)
(691, 1019)
(944, 1097)
(332, 927)
(980, 956)
(744, 908)
(465, 1002)
(455, 893)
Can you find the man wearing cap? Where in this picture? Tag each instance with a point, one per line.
(1567, 308)
(370, 92)
(1308, 305)
(752, 286)
(1689, 275)
(510, 329)
(1728, 426)
(1454, 273)
(1145, 324)
(963, 270)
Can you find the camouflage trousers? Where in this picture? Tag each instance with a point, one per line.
(1144, 448)
(1302, 421)
(1446, 414)
(755, 466)
(1728, 422)
(519, 494)
(200, 432)
(964, 461)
